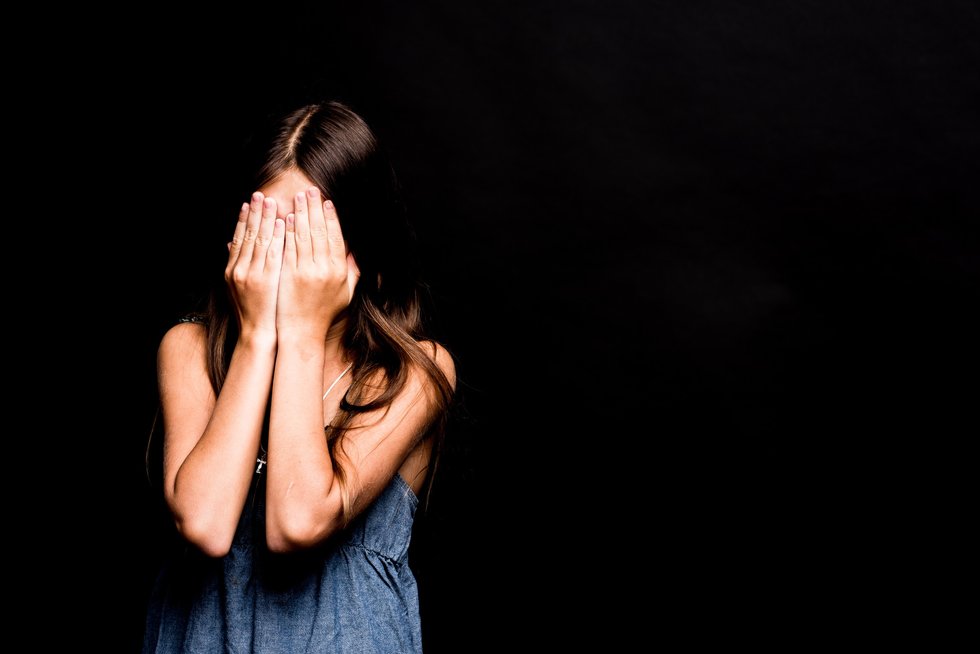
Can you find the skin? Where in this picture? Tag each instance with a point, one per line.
(291, 279)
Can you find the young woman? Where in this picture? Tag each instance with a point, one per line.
(302, 414)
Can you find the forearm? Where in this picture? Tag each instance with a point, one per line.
(301, 474)
(210, 488)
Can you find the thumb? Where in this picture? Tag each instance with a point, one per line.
(353, 274)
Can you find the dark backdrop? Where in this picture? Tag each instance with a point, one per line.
(709, 270)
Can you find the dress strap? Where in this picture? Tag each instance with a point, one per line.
(339, 377)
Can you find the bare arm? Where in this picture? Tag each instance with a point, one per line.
(303, 495)
(210, 443)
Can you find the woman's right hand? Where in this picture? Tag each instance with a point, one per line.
(254, 266)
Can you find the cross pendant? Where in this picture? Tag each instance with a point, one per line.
(261, 463)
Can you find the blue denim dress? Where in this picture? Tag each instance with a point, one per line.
(355, 593)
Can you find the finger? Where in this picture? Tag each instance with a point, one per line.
(289, 242)
(304, 249)
(264, 238)
(251, 227)
(318, 227)
(273, 260)
(335, 236)
(236, 240)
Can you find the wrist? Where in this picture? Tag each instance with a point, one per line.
(258, 339)
(298, 329)
(301, 335)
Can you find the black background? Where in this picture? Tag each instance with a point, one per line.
(709, 270)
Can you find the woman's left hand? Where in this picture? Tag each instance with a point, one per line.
(318, 275)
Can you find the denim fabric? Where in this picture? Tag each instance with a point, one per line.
(356, 593)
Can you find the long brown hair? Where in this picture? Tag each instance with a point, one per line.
(334, 147)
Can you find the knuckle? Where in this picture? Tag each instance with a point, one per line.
(250, 234)
(319, 232)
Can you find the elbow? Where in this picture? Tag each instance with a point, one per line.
(213, 542)
(213, 547)
(299, 533)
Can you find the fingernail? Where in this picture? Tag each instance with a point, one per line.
(290, 219)
(268, 203)
(314, 192)
(256, 197)
(328, 205)
(244, 206)
(278, 229)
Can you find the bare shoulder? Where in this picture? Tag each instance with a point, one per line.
(442, 358)
(183, 344)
